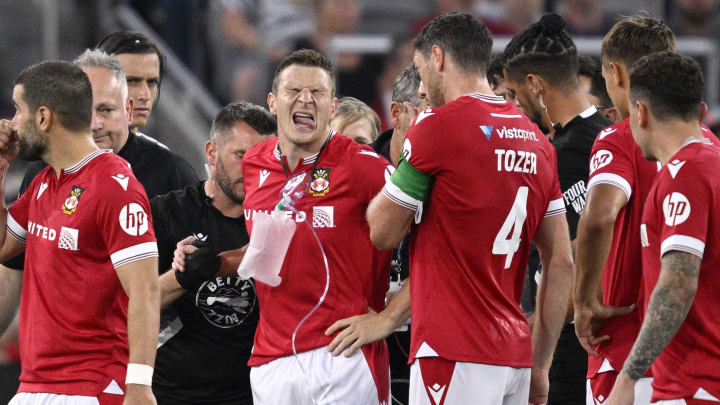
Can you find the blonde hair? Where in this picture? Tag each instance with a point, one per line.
(350, 110)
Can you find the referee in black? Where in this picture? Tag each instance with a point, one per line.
(541, 69)
(208, 325)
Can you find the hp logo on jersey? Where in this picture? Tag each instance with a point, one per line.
(676, 209)
(133, 219)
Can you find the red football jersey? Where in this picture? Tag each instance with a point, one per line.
(495, 179)
(618, 161)
(681, 214)
(348, 176)
(78, 229)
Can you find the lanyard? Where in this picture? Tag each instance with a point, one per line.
(286, 170)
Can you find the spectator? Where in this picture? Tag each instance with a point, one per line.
(356, 120)
(585, 17)
(695, 17)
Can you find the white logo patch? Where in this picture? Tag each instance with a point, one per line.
(264, 174)
(600, 159)
(68, 238)
(605, 132)
(674, 167)
(323, 217)
(423, 115)
(436, 391)
(43, 187)
(133, 219)
(122, 180)
(676, 209)
(644, 241)
(407, 149)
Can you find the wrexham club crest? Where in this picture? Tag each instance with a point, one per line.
(73, 200)
(320, 184)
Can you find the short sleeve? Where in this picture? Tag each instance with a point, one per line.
(556, 205)
(573, 175)
(17, 216)
(125, 224)
(18, 262)
(421, 148)
(684, 204)
(372, 170)
(611, 161)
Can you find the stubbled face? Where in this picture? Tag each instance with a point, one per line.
(358, 130)
(431, 80)
(110, 118)
(230, 148)
(32, 143)
(525, 100)
(304, 104)
(142, 72)
(422, 94)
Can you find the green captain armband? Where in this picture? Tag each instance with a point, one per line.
(411, 181)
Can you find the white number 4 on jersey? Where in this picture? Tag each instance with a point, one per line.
(514, 222)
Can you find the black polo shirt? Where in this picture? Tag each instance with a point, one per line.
(206, 335)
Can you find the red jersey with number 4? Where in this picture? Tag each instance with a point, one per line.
(78, 229)
(681, 215)
(495, 179)
(618, 161)
(347, 177)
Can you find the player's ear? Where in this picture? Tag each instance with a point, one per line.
(44, 118)
(437, 58)
(271, 103)
(333, 107)
(396, 109)
(533, 84)
(617, 74)
(703, 111)
(611, 113)
(642, 114)
(129, 108)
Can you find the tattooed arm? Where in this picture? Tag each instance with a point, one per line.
(669, 305)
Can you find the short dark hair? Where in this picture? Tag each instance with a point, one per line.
(133, 43)
(543, 48)
(462, 36)
(634, 37)
(63, 88)
(672, 84)
(258, 118)
(591, 67)
(405, 86)
(304, 57)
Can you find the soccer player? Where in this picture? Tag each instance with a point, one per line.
(541, 70)
(289, 346)
(209, 325)
(679, 231)
(592, 81)
(494, 189)
(157, 168)
(90, 290)
(609, 278)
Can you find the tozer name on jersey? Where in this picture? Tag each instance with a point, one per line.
(518, 161)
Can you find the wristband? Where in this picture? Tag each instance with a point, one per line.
(139, 374)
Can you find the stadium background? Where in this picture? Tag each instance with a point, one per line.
(223, 50)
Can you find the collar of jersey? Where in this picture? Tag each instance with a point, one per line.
(79, 165)
(306, 160)
(587, 113)
(488, 98)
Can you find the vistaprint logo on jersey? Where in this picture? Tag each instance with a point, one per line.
(517, 133)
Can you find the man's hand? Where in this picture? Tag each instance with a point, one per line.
(539, 387)
(199, 266)
(623, 393)
(358, 331)
(137, 394)
(182, 249)
(8, 144)
(589, 319)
